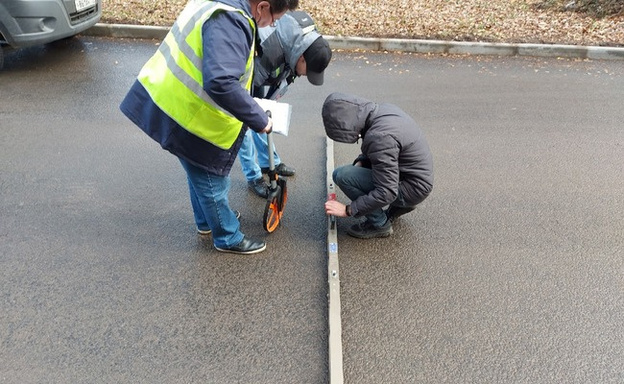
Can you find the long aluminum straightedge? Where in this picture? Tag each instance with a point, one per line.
(333, 277)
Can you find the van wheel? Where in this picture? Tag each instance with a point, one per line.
(1, 58)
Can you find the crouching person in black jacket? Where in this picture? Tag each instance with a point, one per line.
(395, 168)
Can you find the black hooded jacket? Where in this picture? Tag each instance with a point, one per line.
(393, 146)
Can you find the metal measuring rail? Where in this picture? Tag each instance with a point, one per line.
(333, 278)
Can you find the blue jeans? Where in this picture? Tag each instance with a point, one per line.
(255, 144)
(358, 181)
(209, 199)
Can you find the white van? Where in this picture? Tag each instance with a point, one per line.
(31, 22)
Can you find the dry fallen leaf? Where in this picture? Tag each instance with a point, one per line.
(511, 21)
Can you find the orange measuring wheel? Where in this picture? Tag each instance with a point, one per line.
(274, 209)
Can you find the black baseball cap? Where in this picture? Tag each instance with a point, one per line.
(317, 58)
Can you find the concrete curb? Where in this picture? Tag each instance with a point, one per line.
(403, 45)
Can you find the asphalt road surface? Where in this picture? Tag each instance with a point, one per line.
(511, 272)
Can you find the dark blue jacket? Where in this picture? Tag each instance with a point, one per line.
(227, 38)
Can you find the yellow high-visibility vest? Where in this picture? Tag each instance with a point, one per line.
(173, 77)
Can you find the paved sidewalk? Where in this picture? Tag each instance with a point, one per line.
(404, 45)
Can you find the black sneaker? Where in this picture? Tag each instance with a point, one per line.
(247, 246)
(282, 170)
(366, 230)
(208, 231)
(393, 213)
(259, 187)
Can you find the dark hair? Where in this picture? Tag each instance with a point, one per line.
(281, 5)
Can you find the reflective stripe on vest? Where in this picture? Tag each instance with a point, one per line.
(173, 77)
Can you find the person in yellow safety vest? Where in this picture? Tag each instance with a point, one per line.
(193, 98)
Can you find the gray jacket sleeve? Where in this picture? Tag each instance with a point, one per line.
(383, 154)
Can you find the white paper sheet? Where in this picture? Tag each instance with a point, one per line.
(280, 114)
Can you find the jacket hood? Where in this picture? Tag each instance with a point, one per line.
(345, 116)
